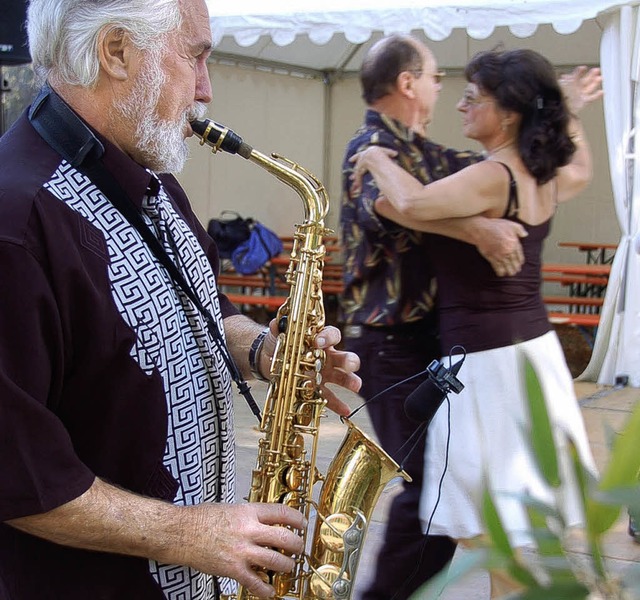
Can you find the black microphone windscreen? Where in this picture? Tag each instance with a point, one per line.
(421, 404)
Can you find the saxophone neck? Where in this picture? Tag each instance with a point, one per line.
(306, 185)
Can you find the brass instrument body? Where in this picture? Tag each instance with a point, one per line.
(285, 470)
(356, 477)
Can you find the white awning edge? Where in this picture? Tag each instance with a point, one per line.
(436, 19)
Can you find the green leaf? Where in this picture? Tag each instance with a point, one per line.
(621, 471)
(634, 508)
(547, 542)
(593, 538)
(551, 555)
(542, 442)
(521, 574)
(463, 565)
(623, 496)
(564, 591)
(545, 510)
(631, 577)
(495, 530)
(610, 435)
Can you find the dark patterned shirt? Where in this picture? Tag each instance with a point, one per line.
(105, 368)
(388, 276)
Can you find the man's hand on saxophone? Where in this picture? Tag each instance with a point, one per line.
(228, 540)
(339, 368)
(242, 541)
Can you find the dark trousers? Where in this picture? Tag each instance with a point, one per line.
(407, 558)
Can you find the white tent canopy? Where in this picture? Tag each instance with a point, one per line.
(328, 36)
(247, 20)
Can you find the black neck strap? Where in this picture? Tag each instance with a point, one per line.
(65, 132)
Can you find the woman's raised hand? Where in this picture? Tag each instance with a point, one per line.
(581, 87)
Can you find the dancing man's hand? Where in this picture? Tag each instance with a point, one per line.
(499, 243)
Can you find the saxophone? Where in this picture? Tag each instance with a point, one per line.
(285, 469)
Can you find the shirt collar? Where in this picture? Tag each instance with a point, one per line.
(398, 129)
(136, 180)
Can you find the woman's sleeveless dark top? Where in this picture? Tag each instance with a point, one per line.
(480, 310)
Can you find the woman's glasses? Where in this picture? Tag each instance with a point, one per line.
(469, 99)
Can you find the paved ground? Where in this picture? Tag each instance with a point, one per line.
(602, 408)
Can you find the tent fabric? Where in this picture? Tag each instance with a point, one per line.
(617, 348)
(247, 20)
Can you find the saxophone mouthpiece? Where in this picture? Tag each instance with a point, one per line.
(220, 137)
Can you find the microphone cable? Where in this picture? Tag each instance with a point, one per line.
(423, 426)
(355, 411)
(419, 430)
(443, 379)
(444, 470)
(425, 536)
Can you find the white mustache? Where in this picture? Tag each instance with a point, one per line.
(197, 111)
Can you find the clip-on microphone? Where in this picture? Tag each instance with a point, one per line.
(422, 404)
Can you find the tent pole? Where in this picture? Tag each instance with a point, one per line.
(327, 82)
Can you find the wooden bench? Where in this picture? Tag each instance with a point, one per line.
(580, 319)
(580, 285)
(595, 252)
(330, 241)
(242, 281)
(576, 279)
(332, 284)
(577, 300)
(576, 304)
(271, 303)
(268, 288)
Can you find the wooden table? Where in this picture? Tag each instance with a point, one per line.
(595, 252)
(590, 270)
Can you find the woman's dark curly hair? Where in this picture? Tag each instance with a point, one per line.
(525, 82)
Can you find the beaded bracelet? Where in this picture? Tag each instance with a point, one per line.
(254, 355)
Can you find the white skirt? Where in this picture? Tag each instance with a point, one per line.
(487, 446)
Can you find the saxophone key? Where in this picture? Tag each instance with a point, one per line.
(305, 414)
(293, 478)
(322, 581)
(333, 529)
(295, 446)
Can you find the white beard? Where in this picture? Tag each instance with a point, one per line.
(161, 145)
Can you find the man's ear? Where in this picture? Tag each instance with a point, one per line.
(405, 84)
(115, 53)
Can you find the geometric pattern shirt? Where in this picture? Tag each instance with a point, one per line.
(172, 337)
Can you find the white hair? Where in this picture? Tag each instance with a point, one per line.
(64, 34)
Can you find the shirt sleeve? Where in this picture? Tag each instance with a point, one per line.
(360, 208)
(443, 161)
(39, 467)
